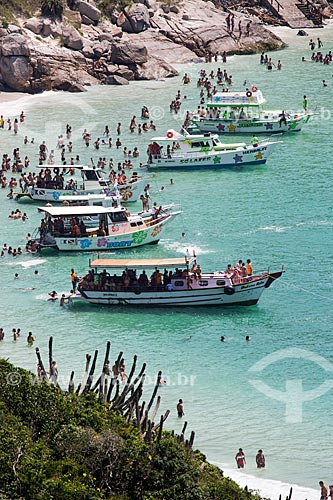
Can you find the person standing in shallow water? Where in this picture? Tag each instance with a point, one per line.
(260, 460)
(323, 491)
(180, 408)
(240, 459)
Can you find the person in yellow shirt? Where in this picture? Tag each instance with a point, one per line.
(2, 122)
(249, 267)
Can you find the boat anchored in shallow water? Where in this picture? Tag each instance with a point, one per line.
(244, 112)
(91, 228)
(182, 284)
(205, 150)
(93, 182)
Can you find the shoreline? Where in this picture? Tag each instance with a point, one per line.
(268, 488)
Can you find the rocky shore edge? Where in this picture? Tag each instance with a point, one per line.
(140, 42)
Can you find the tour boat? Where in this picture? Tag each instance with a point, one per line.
(185, 151)
(90, 228)
(243, 112)
(182, 284)
(93, 182)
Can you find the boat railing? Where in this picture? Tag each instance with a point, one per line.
(187, 154)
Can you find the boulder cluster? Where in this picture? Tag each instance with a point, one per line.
(142, 41)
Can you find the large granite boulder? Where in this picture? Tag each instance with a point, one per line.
(71, 38)
(16, 72)
(14, 45)
(88, 10)
(34, 24)
(154, 69)
(116, 80)
(125, 72)
(128, 53)
(136, 18)
(52, 28)
(87, 50)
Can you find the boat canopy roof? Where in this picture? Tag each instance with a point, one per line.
(81, 167)
(141, 263)
(173, 135)
(246, 98)
(77, 210)
(88, 197)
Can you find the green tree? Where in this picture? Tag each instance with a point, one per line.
(52, 8)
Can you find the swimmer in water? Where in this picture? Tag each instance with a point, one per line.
(247, 338)
(30, 338)
(64, 300)
(222, 338)
(53, 296)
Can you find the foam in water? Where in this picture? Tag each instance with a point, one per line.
(270, 488)
(175, 246)
(276, 229)
(29, 263)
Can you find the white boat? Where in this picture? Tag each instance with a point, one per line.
(186, 285)
(90, 228)
(204, 150)
(244, 112)
(93, 182)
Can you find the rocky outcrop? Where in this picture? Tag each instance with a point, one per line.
(141, 42)
(15, 67)
(127, 52)
(155, 69)
(135, 18)
(89, 13)
(72, 38)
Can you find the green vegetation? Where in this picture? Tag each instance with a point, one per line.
(60, 446)
(9, 9)
(52, 8)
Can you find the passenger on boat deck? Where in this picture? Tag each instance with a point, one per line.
(283, 118)
(239, 264)
(143, 279)
(249, 267)
(102, 231)
(255, 141)
(242, 115)
(156, 210)
(229, 271)
(236, 276)
(232, 115)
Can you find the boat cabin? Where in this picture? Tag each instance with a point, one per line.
(150, 275)
(54, 178)
(83, 221)
(235, 105)
(184, 146)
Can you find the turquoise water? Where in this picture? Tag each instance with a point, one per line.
(279, 213)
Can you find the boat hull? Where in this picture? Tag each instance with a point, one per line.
(245, 294)
(129, 193)
(218, 159)
(144, 236)
(221, 126)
